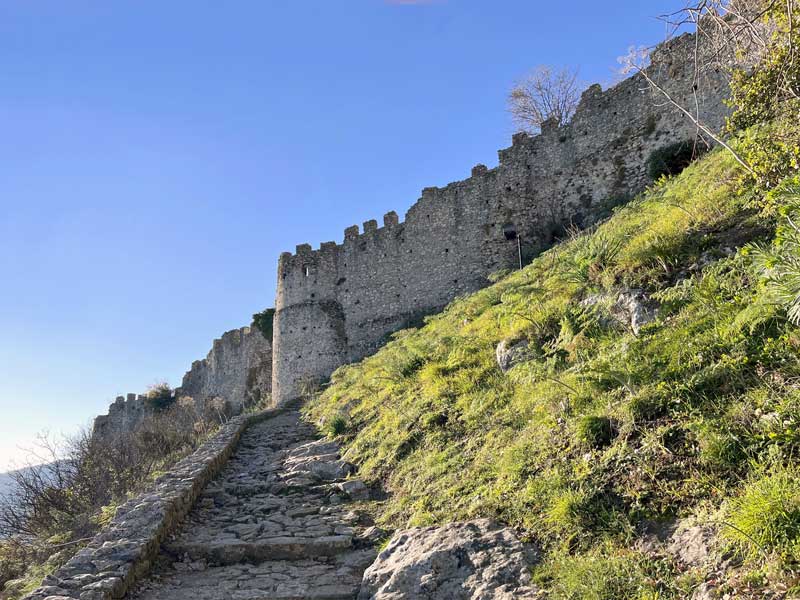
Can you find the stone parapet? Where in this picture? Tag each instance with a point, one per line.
(123, 551)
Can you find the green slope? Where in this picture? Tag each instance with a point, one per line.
(598, 431)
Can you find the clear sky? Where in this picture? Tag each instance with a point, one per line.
(156, 157)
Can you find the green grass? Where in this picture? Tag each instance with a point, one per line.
(599, 429)
(765, 517)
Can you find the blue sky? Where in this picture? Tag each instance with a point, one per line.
(156, 157)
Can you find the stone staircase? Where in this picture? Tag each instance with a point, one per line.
(276, 524)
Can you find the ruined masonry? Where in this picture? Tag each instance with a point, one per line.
(237, 371)
(336, 305)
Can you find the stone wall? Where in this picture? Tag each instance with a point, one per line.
(125, 414)
(123, 551)
(337, 304)
(238, 369)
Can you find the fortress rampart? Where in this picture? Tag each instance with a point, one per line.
(337, 304)
(237, 369)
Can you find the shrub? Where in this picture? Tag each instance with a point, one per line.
(768, 94)
(264, 321)
(160, 396)
(337, 426)
(765, 517)
(779, 264)
(672, 159)
(55, 507)
(595, 431)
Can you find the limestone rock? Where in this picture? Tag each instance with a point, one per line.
(693, 544)
(355, 489)
(469, 560)
(635, 309)
(705, 591)
(631, 308)
(509, 353)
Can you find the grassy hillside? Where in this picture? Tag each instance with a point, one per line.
(599, 433)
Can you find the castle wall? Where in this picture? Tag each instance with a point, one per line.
(124, 415)
(237, 369)
(337, 304)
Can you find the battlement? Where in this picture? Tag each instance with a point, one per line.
(125, 414)
(336, 304)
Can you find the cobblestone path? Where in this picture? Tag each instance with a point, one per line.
(277, 524)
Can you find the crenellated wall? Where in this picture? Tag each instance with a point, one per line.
(124, 415)
(337, 304)
(237, 370)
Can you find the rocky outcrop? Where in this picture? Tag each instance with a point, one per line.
(238, 370)
(473, 560)
(635, 309)
(510, 353)
(631, 308)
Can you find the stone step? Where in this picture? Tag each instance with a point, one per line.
(275, 580)
(272, 549)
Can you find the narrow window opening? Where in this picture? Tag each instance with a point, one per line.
(306, 271)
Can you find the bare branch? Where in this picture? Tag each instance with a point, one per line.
(544, 94)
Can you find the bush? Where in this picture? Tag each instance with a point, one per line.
(160, 396)
(595, 432)
(337, 426)
(672, 159)
(264, 321)
(55, 507)
(769, 94)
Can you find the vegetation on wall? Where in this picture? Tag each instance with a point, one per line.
(673, 158)
(160, 396)
(263, 322)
